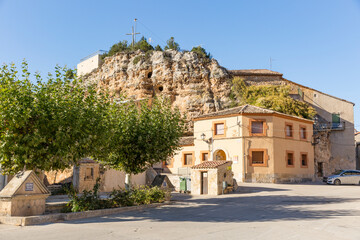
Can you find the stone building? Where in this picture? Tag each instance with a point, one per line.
(334, 123)
(200, 86)
(90, 63)
(263, 145)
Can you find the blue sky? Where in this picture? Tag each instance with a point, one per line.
(313, 42)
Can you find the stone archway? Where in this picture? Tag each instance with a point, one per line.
(219, 155)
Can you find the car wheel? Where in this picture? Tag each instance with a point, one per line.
(337, 182)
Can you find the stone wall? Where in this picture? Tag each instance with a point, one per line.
(23, 206)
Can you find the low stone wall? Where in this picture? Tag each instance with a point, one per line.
(278, 178)
(59, 217)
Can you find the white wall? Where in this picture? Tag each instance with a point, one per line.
(88, 65)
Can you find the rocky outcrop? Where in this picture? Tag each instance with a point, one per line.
(195, 85)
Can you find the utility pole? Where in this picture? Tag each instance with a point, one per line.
(133, 34)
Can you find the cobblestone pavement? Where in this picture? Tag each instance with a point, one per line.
(256, 211)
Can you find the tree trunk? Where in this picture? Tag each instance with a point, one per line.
(127, 181)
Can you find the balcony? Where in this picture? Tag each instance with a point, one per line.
(328, 126)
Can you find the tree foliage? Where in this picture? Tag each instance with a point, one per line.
(201, 52)
(171, 44)
(49, 125)
(143, 135)
(272, 97)
(158, 48)
(143, 45)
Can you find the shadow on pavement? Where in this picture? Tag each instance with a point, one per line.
(234, 208)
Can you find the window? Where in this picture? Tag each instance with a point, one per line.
(335, 120)
(204, 156)
(289, 159)
(289, 130)
(219, 129)
(89, 174)
(304, 160)
(257, 127)
(302, 132)
(188, 158)
(258, 157)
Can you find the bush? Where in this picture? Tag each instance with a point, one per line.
(171, 44)
(201, 52)
(90, 200)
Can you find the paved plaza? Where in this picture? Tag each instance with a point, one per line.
(257, 211)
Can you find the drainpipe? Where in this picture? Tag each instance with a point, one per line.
(212, 145)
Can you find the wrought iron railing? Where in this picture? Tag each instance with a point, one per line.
(93, 54)
(328, 126)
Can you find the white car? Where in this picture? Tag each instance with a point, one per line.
(343, 177)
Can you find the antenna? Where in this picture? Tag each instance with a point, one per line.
(133, 34)
(271, 60)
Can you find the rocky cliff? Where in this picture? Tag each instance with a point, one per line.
(195, 85)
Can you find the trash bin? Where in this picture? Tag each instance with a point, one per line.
(182, 184)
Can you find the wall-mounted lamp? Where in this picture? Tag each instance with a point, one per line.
(203, 137)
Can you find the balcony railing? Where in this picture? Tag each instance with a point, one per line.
(329, 126)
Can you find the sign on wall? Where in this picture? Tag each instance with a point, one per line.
(29, 187)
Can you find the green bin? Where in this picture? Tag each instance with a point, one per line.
(182, 184)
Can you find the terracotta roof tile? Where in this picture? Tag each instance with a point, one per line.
(244, 72)
(237, 110)
(210, 164)
(245, 109)
(184, 141)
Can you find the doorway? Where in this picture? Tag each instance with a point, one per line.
(320, 169)
(204, 182)
(220, 155)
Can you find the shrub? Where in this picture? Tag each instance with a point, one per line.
(171, 44)
(201, 52)
(90, 200)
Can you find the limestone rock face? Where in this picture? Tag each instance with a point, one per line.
(195, 85)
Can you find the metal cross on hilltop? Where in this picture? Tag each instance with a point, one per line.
(133, 34)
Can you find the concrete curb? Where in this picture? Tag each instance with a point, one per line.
(59, 217)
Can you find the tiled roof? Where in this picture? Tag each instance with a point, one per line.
(210, 164)
(244, 109)
(237, 110)
(253, 72)
(184, 141)
(87, 160)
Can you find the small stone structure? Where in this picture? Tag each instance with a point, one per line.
(85, 175)
(24, 195)
(208, 177)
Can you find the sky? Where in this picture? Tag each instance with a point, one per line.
(315, 43)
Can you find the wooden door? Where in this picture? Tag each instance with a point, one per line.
(204, 182)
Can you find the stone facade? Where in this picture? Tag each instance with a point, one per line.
(216, 176)
(239, 144)
(334, 145)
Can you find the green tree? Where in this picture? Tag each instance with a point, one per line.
(121, 46)
(48, 125)
(171, 44)
(272, 97)
(158, 48)
(201, 52)
(143, 45)
(142, 135)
